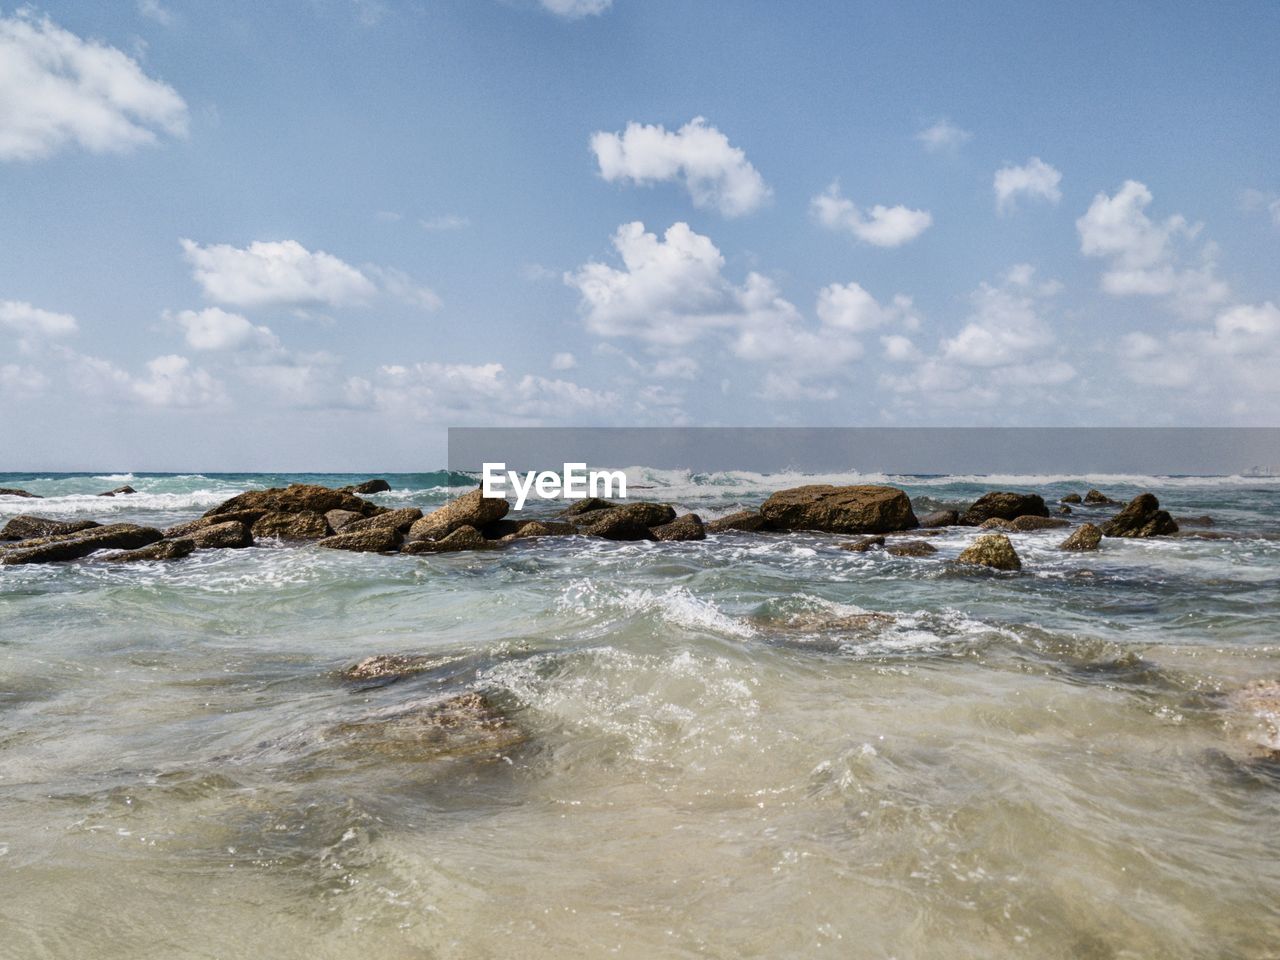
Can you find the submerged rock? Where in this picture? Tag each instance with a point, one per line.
(472, 509)
(465, 725)
(28, 526)
(72, 546)
(747, 521)
(463, 538)
(940, 518)
(1027, 524)
(687, 527)
(1141, 518)
(1257, 709)
(991, 550)
(304, 525)
(118, 491)
(1084, 537)
(631, 521)
(387, 667)
(1005, 506)
(296, 498)
(831, 509)
(911, 548)
(377, 539)
(11, 492)
(863, 545)
(160, 550)
(229, 535)
(377, 485)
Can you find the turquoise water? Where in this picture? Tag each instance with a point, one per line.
(717, 757)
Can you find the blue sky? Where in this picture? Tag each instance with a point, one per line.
(314, 234)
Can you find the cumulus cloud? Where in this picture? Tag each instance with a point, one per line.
(576, 9)
(169, 381)
(21, 382)
(214, 329)
(58, 90)
(1034, 180)
(563, 361)
(1146, 257)
(943, 135)
(880, 226)
(715, 173)
(31, 324)
(274, 274)
(155, 10)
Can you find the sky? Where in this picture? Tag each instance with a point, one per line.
(315, 234)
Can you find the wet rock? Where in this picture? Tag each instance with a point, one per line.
(229, 535)
(466, 725)
(1005, 506)
(1027, 524)
(991, 550)
(996, 523)
(1141, 518)
(401, 520)
(1098, 498)
(1201, 521)
(863, 545)
(687, 527)
(387, 667)
(11, 492)
(632, 521)
(28, 526)
(940, 518)
(296, 498)
(371, 486)
(1064, 510)
(247, 517)
(1084, 537)
(72, 546)
(160, 550)
(304, 525)
(1072, 498)
(853, 509)
(748, 521)
(472, 509)
(509, 529)
(337, 519)
(911, 548)
(1257, 715)
(463, 538)
(118, 491)
(376, 539)
(586, 505)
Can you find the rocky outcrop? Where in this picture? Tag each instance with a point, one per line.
(687, 527)
(1141, 518)
(377, 485)
(73, 546)
(940, 518)
(1071, 498)
(1028, 523)
(991, 550)
(246, 517)
(632, 521)
(831, 509)
(401, 520)
(375, 539)
(463, 538)
(160, 550)
(747, 521)
(11, 492)
(863, 545)
(1084, 537)
(27, 527)
(304, 525)
(295, 499)
(472, 509)
(118, 491)
(1098, 498)
(229, 535)
(1005, 506)
(911, 548)
(337, 519)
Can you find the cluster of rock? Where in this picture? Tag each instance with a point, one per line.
(10, 492)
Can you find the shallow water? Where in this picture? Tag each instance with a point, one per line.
(717, 756)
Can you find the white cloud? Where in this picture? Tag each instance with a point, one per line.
(1035, 179)
(576, 9)
(398, 284)
(58, 90)
(715, 173)
(1144, 256)
(215, 329)
(850, 307)
(154, 10)
(444, 222)
(31, 323)
(1004, 328)
(881, 226)
(275, 273)
(21, 382)
(563, 361)
(943, 135)
(169, 381)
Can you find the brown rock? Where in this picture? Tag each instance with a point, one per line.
(1097, 497)
(1064, 510)
(991, 550)
(687, 527)
(863, 545)
(247, 517)
(27, 527)
(466, 725)
(1084, 537)
(1071, 498)
(388, 666)
(940, 518)
(911, 548)
(160, 550)
(472, 509)
(295, 499)
(1141, 518)
(996, 523)
(746, 521)
(371, 486)
(11, 492)
(304, 525)
(229, 535)
(376, 539)
(463, 538)
(1027, 524)
(72, 546)
(854, 509)
(632, 521)
(586, 505)
(525, 529)
(1005, 506)
(400, 520)
(337, 519)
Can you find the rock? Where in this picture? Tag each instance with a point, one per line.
(1257, 709)
(11, 492)
(1141, 518)
(387, 667)
(472, 509)
(940, 518)
(247, 517)
(991, 550)
(863, 545)
(747, 521)
(996, 523)
(229, 535)
(508, 530)
(632, 521)
(1097, 497)
(854, 509)
(375, 539)
(468, 724)
(1084, 537)
(586, 505)
(72, 546)
(463, 538)
(118, 491)
(687, 527)
(295, 499)
(304, 525)
(911, 548)
(371, 486)
(160, 550)
(337, 519)
(400, 520)
(1005, 506)
(1071, 498)
(1029, 523)
(1201, 521)
(28, 526)
(1064, 510)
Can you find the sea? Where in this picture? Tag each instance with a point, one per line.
(752, 746)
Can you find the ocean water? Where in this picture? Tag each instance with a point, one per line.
(718, 753)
